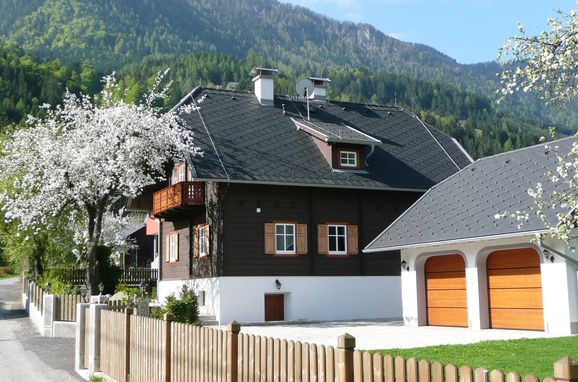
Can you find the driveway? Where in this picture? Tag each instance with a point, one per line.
(24, 355)
(372, 335)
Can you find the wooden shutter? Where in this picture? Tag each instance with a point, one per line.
(207, 245)
(269, 238)
(322, 239)
(176, 249)
(301, 239)
(352, 246)
(167, 249)
(196, 241)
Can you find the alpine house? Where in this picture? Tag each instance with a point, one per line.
(268, 223)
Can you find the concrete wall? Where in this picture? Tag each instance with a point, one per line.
(559, 282)
(306, 297)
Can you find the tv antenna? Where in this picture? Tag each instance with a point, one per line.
(304, 88)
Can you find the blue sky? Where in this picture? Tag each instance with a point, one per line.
(468, 30)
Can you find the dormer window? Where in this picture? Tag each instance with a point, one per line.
(348, 159)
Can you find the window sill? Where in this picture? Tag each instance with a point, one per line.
(285, 255)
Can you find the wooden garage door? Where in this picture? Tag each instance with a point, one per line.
(446, 291)
(515, 289)
(274, 307)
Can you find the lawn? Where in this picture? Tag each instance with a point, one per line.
(525, 356)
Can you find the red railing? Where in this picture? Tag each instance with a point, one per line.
(179, 195)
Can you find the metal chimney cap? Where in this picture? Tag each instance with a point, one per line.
(258, 71)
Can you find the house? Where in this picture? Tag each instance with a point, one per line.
(462, 266)
(268, 223)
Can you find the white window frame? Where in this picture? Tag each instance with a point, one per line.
(173, 247)
(182, 173)
(202, 241)
(156, 240)
(285, 235)
(347, 158)
(336, 238)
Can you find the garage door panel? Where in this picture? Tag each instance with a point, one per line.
(445, 264)
(513, 258)
(446, 280)
(447, 298)
(515, 289)
(515, 278)
(448, 316)
(531, 319)
(516, 298)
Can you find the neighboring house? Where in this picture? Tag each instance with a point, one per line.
(268, 223)
(463, 267)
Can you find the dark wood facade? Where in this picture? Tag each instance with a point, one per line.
(237, 213)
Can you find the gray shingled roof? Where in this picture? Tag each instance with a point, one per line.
(260, 144)
(464, 205)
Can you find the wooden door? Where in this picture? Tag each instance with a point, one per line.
(446, 299)
(515, 289)
(274, 307)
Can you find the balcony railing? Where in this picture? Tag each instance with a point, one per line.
(178, 195)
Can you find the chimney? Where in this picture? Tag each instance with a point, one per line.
(319, 88)
(263, 80)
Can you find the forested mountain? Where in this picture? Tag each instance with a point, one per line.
(216, 42)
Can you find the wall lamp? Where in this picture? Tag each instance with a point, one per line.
(404, 265)
(278, 284)
(548, 255)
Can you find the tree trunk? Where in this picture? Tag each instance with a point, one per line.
(95, 214)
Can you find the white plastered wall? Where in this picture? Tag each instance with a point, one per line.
(559, 282)
(211, 287)
(306, 298)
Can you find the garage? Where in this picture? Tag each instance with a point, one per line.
(515, 289)
(446, 299)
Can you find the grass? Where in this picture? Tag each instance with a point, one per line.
(525, 356)
(7, 276)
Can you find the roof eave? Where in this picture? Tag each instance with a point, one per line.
(455, 241)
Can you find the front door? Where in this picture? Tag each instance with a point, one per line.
(274, 307)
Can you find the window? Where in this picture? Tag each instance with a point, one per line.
(338, 239)
(285, 238)
(203, 242)
(179, 173)
(348, 159)
(337, 235)
(172, 247)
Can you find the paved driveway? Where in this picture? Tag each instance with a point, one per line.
(371, 335)
(24, 355)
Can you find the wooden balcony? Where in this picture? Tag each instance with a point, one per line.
(178, 197)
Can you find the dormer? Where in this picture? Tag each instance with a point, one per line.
(344, 147)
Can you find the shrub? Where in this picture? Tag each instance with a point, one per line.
(184, 308)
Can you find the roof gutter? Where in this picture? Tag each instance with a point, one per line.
(556, 252)
(455, 241)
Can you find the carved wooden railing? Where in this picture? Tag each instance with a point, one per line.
(178, 195)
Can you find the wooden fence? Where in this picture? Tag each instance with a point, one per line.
(135, 276)
(36, 296)
(146, 349)
(66, 306)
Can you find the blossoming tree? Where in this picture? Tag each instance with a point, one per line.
(547, 65)
(77, 160)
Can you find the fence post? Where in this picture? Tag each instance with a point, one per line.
(94, 337)
(127, 314)
(81, 311)
(166, 351)
(566, 370)
(345, 349)
(233, 330)
(48, 314)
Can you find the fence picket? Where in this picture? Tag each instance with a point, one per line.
(513, 377)
(400, 375)
(437, 372)
(331, 365)
(466, 374)
(451, 371)
(481, 375)
(497, 376)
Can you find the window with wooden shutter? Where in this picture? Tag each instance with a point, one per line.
(270, 238)
(196, 242)
(167, 249)
(352, 240)
(322, 239)
(301, 239)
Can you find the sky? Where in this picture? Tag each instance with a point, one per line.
(470, 31)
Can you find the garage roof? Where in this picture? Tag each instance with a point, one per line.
(464, 206)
